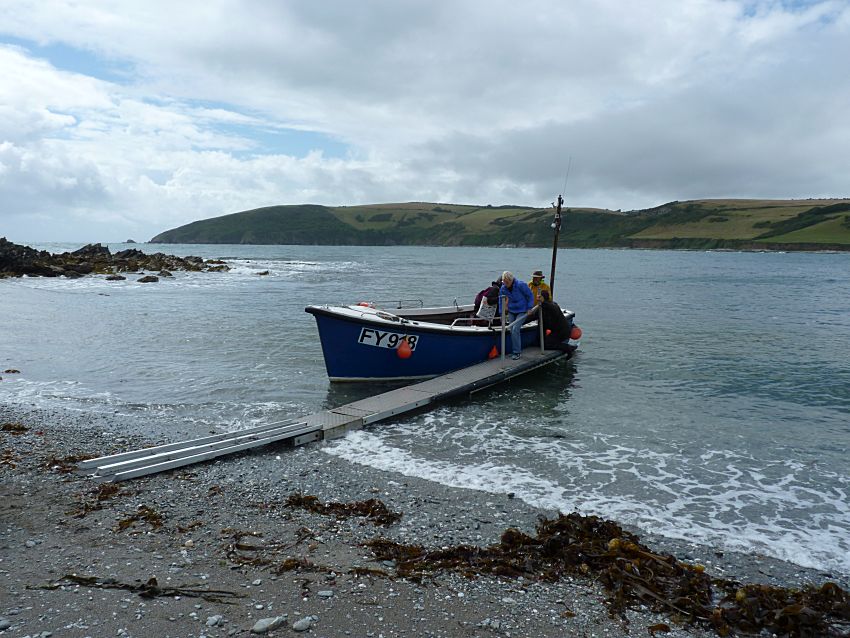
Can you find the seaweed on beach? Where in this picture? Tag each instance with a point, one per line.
(812, 611)
(106, 491)
(93, 500)
(372, 509)
(148, 589)
(143, 514)
(299, 564)
(634, 576)
(183, 529)
(13, 428)
(65, 464)
(7, 457)
(241, 550)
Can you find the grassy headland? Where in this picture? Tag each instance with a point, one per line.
(822, 224)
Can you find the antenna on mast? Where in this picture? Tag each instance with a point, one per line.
(556, 225)
(569, 165)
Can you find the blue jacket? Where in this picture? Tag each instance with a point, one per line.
(520, 297)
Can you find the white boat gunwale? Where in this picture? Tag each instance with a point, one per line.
(373, 316)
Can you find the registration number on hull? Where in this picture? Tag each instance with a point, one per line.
(381, 339)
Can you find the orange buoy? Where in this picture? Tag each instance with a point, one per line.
(365, 304)
(403, 351)
(575, 333)
(494, 352)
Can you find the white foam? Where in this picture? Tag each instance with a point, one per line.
(727, 502)
(367, 449)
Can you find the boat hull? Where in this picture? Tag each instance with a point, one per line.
(363, 345)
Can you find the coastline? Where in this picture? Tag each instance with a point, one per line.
(198, 521)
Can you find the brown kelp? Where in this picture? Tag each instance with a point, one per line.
(148, 589)
(251, 549)
(634, 576)
(94, 499)
(143, 514)
(13, 428)
(371, 509)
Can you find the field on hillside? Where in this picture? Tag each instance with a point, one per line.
(477, 220)
(387, 216)
(835, 230)
(722, 223)
(748, 220)
(704, 224)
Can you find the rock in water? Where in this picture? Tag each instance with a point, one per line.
(92, 250)
(16, 261)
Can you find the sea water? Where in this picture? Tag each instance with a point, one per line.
(709, 401)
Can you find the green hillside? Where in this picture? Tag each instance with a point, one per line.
(270, 225)
(775, 224)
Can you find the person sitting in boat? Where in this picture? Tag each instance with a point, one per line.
(537, 285)
(486, 301)
(556, 326)
(520, 304)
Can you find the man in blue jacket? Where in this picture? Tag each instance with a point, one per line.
(520, 303)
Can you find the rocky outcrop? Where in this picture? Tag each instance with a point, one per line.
(17, 260)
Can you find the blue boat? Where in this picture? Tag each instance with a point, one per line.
(368, 343)
(364, 342)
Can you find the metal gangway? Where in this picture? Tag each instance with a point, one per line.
(327, 424)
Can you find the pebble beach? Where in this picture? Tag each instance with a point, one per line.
(77, 560)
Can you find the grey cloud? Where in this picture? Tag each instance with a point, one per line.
(463, 101)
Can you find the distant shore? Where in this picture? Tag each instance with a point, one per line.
(735, 224)
(225, 526)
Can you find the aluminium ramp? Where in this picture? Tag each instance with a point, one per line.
(327, 424)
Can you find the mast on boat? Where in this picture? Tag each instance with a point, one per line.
(557, 226)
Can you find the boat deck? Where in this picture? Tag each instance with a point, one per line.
(327, 424)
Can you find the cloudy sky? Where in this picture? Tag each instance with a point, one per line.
(121, 119)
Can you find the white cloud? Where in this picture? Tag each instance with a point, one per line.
(463, 101)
